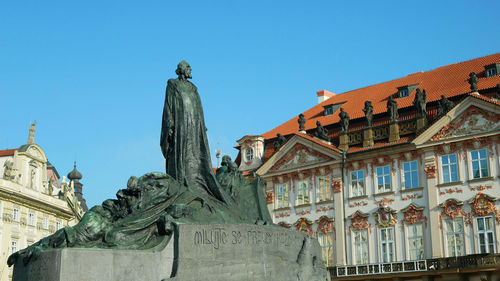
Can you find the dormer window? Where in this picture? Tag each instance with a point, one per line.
(406, 90)
(331, 108)
(328, 110)
(403, 93)
(492, 70)
(249, 154)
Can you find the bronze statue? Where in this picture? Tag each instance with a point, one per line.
(344, 120)
(392, 109)
(368, 110)
(444, 105)
(420, 102)
(473, 81)
(302, 122)
(280, 140)
(321, 132)
(183, 141)
(146, 212)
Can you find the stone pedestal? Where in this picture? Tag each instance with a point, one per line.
(393, 132)
(368, 137)
(421, 123)
(196, 252)
(343, 141)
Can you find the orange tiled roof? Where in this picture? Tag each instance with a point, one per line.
(450, 80)
(7, 152)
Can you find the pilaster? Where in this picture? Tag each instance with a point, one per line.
(344, 141)
(393, 132)
(368, 137)
(340, 242)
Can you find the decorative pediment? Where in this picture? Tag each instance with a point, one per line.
(473, 121)
(413, 214)
(483, 204)
(453, 208)
(299, 156)
(359, 221)
(325, 224)
(304, 225)
(385, 216)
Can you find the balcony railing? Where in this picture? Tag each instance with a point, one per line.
(463, 262)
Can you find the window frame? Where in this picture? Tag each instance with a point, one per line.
(415, 237)
(384, 177)
(324, 190)
(58, 225)
(249, 154)
(449, 166)
(45, 223)
(357, 181)
(361, 248)
(387, 245)
(478, 160)
(16, 214)
(285, 194)
(412, 172)
(326, 247)
(479, 232)
(453, 233)
(14, 245)
(31, 220)
(302, 200)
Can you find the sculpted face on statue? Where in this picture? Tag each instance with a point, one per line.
(183, 70)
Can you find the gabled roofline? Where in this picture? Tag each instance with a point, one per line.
(459, 109)
(328, 150)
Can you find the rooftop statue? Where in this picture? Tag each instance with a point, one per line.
(280, 140)
(444, 105)
(302, 122)
(344, 120)
(146, 212)
(321, 132)
(473, 81)
(368, 110)
(420, 102)
(392, 109)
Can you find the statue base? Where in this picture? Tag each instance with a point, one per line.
(394, 132)
(368, 137)
(195, 252)
(344, 141)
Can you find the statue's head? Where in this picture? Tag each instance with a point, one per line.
(341, 109)
(442, 97)
(472, 74)
(318, 123)
(301, 116)
(226, 159)
(183, 70)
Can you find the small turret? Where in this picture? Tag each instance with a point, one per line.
(75, 176)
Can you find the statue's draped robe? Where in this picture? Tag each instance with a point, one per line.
(184, 141)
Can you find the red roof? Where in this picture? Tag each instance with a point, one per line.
(450, 80)
(7, 152)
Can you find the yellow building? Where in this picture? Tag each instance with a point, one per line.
(34, 201)
(405, 186)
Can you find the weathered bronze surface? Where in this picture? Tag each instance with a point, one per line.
(392, 109)
(420, 102)
(302, 122)
(344, 120)
(444, 105)
(368, 110)
(145, 213)
(473, 81)
(321, 132)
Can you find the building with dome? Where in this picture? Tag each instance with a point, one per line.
(398, 180)
(34, 200)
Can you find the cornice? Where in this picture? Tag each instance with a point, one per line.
(34, 203)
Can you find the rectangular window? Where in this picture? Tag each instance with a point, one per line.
(403, 93)
(358, 183)
(45, 223)
(361, 246)
(450, 168)
(302, 192)
(387, 244)
(326, 243)
(13, 246)
(410, 170)
(479, 163)
(324, 189)
(384, 178)
(415, 241)
(31, 219)
(58, 225)
(485, 235)
(282, 196)
(15, 214)
(491, 72)
(455, 237)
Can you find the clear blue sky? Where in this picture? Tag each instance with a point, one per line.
(93, 74)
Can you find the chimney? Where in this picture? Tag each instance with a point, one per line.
(323, 95)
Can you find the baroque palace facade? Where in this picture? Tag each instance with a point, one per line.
(34, 201)
(398, 181)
